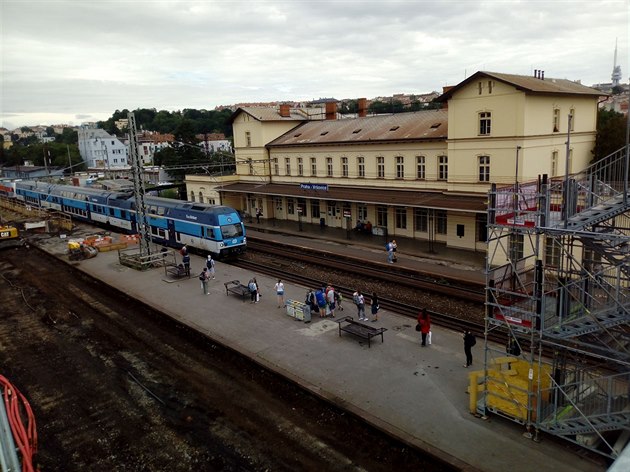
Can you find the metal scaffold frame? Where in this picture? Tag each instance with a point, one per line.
(144, 242)
(558, 288)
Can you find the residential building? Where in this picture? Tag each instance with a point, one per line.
(100, 150)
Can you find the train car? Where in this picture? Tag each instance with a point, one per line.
(212, 228)
(7, 189)
(215, 229)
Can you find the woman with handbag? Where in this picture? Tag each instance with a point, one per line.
(375, 307)
(424, 325)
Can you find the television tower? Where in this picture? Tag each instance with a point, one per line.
(616, 73)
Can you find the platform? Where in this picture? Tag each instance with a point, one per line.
(415, 393)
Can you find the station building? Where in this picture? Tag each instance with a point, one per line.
(423, 175)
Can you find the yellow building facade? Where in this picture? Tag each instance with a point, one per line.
(422, 175)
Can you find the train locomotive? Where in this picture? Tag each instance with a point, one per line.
(214, 229)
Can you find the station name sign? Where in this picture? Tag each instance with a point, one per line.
(323, 187)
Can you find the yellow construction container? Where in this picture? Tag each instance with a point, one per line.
(508, 386)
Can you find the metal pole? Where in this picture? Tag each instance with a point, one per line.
(566, 174)
(625, 180)
(69, 160)
(46, 163)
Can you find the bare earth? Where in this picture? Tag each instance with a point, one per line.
(117, 386)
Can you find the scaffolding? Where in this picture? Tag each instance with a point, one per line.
(558, 290)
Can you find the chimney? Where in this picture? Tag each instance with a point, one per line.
(535, 73)
(285, 110)
(542, 75)
(331, 111)
(362, 105)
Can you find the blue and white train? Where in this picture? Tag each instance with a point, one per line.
(215, 229)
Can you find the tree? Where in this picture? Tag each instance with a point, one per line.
(68, 136)
(617, 90)
(611, 133)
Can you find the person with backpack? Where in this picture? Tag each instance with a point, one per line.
(320, 299)
(389, 247)
(310, 301)
(186, 262)
(203, 277)
(253, 290)
(210, 266)
(359, 301)
(469, 342)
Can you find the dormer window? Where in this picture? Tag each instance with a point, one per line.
(324, 133)
(394, 128)
(356, 131)
(435, 125)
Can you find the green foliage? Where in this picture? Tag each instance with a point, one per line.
(611, 133)
(617, 90)
(68, 136)
(59, 155)
(149, 119)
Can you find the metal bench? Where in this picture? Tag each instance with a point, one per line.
(360, 330)
(237, 288)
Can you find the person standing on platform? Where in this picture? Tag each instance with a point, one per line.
(210, 266)
(359, 300)
(186, 262)
(338, 300)
(394, 249)
(320, 298)
(204, 276)
(280, 293)
(330, 299)
(258, 215)
(253, 290)
(389, 247)
(375, 307)
(424, 320)
(469, 342)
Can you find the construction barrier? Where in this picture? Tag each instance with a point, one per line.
(130, 238)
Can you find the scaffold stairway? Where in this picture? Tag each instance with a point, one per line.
(606, 422)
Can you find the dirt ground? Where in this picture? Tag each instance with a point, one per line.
(117, 386)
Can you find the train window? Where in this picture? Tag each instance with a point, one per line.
(231, 231)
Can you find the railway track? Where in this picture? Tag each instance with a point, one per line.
(437, 283)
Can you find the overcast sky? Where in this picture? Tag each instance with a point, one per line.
(75, 61)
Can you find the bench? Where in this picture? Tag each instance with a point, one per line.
(176, 271)
(360, 330)
(237, 288)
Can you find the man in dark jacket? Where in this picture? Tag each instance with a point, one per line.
(469, 342)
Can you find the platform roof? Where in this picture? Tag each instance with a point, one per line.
(469, 203)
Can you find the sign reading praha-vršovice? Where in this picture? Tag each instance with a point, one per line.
(323, 187)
